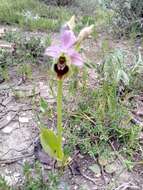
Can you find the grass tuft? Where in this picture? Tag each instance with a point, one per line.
(32, 14)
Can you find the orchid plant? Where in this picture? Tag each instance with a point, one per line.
(64, 56)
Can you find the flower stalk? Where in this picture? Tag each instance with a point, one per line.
(59, 110)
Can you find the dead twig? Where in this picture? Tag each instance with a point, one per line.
(116, 153)
(103, 175)
(88, 178)
(125, 186)
(10, 161)
(83, 116)
(79, 171)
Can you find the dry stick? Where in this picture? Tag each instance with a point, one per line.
(16, 151)
(87, 117)
(118, 156)
(83, 115)
(103, 176)
(10, 161)
(125, 186)
(102, 171)
(88, 178)
(4, 114)
(82, 174)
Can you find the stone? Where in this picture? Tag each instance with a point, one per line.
(23, 119)
(7, 100)
(7, 130)
(5, 121)
(25, 91)
(2, 32)
(111, 168)
(102, 160)
(95, 169)
(45, 92)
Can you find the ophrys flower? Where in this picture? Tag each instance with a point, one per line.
(65, 54)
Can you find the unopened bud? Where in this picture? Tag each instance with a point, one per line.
(71, 23)
(84, 33)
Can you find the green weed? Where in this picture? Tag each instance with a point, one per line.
(34, 178)
(25, 71)
(3, 184)
(101, 118)
(32, 14)
(28, 49)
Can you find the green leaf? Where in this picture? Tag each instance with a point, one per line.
(51, 144)
(43, 105)
(121, 75)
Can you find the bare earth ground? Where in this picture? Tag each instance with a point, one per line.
(19, 131)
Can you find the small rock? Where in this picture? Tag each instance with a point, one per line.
(5, 121)
(141, 138)
(102, 160)
(8, 117)
(1, 79)
(4, 87)
(6, 101)
(95, 169)
(12, 179)
(7, 130)
(17, 175)
(23, 91)
(124, 176)
(23, 119)
(8, 180)
(111, 168)
(62, 185)
(2, 32)
(45, 92)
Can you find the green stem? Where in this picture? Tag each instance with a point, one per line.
(59, 110)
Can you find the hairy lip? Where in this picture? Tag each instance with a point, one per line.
(61, 71)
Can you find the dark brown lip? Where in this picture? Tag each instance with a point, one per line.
(61, 67)
(61, 72)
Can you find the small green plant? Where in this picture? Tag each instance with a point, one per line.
(3, 184)
(101, 117)
(5, 60)
(4, 73)
(27, 49)
(34, 178)
(12, 36)
(128, 17)
(25, 71)
(136, 72)
(114, 68)
(32, 14)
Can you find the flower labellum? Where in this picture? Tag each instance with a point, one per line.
(61, 68)
(84, 33)
(65, 54)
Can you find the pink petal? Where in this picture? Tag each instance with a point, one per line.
(67, 38)
(76, 59)
(53, 51)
